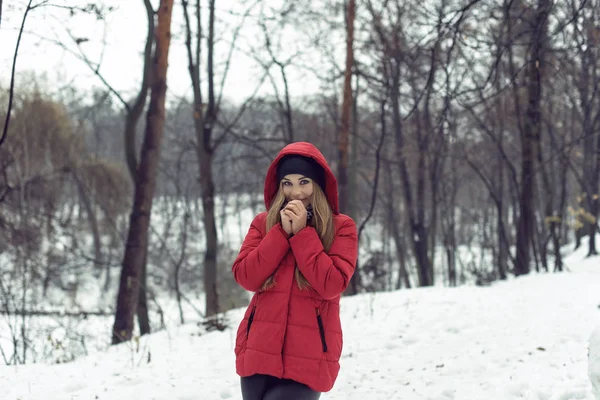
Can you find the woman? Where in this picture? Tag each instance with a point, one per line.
(298, 257)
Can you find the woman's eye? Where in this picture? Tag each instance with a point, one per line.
(304, 182)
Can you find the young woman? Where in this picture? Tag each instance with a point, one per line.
(298, 257)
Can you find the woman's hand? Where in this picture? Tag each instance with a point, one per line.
(286, 222)
(296, 212)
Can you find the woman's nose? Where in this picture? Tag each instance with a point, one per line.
(296, 192)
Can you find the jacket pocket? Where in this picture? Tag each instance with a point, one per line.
(250, 319)
(321, 331)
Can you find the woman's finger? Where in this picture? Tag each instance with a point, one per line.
(290, 209)
(295, 208)
(289, 214)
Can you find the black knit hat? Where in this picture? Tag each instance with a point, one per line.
(296, 164)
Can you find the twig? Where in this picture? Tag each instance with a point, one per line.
(12, 75)
(377, 168)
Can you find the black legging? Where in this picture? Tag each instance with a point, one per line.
(265, 387)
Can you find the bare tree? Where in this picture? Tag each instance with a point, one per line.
(133, 112)
(205, 117)
(530, 135)
(587, 82)
(344, 133)
(137, 239)
(131, 120)
(206, 114)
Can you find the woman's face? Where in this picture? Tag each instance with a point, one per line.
(297, 187)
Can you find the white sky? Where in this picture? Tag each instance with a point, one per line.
(122, 57)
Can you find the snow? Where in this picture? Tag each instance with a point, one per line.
(525, 338)
(594, 361)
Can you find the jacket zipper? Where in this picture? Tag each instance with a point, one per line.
(250, 319)
(321, 330)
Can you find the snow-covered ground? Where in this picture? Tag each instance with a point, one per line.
(526, 338)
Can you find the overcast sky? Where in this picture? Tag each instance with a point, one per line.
(124, 32)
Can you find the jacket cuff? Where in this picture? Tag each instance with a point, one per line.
(283, 232)
(304, 238)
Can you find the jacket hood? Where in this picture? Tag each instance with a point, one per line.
(307, 150)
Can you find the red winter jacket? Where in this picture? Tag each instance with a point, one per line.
(287, 332)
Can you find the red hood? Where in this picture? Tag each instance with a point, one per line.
(307, 150)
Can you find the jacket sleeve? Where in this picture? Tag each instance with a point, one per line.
(259, 256)
(328, 273)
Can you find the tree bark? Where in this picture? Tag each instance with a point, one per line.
(501, 210)
(344, 133)
(142, 304)
(205, 117)
(529, 138)
(132, 117)
(137, 238)
(395, 224)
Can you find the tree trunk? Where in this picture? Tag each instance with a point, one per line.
(529, 138)
(179, 263)
(204, 122)
(501, 206)
(343, 140)
(353, 209)
(547, 202)
(399, 243)
(142, 305)
(595, 199)
(131, 120)
(558, 226)
(210, 257)
(344, 134)
(137, 238)
(417, 229)
(503, 248)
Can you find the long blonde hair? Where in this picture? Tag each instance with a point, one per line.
(322, 221)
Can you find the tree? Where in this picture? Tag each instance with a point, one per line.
(530, 136)
(133, 113)
(206, 113)
(131, 120)
(137, 238)
(205, 117)
(344, 133)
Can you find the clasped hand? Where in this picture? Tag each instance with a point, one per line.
(293, 217)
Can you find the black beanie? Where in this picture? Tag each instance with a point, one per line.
(296, 164)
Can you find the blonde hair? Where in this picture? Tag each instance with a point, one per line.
(322, 221)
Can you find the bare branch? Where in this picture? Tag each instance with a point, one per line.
(236, 34)
(12, 75)
(377, 169)
(96, 70)
(228, 127)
